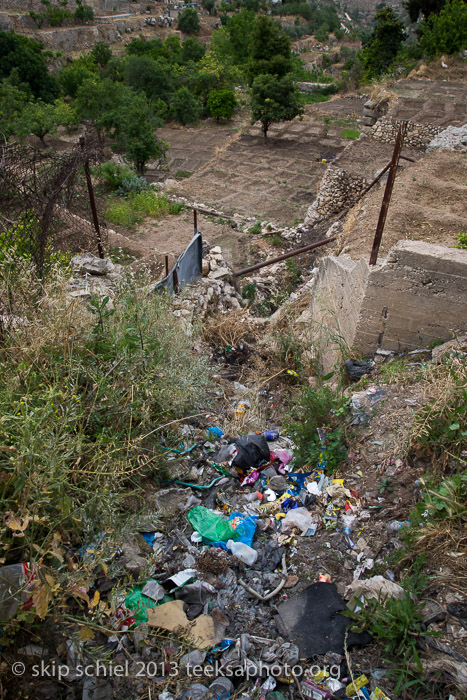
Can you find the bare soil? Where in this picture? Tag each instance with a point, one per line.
(429, 203)
(152, 241)
(274, 179)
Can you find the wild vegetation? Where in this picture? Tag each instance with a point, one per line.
(91, 395)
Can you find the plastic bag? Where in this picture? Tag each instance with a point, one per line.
(252, 451)
(298, 517)
(244, 527)
(138, 603)
(210, 526)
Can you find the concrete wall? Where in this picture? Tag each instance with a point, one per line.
(417, 295)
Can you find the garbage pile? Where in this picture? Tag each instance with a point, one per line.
(247, 510)
(221, 602)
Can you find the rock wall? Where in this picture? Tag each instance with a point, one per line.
(36, 5)
(415, 296)
(338, 189)
(418, 135)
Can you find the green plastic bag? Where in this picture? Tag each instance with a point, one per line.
(139, 603)
(211, 526)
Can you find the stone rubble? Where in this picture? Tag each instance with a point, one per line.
(454, 138)
(210, 294)
(92, 275)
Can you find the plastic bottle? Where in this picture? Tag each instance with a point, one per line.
(242, 551)
(347, 522)
(395, 525)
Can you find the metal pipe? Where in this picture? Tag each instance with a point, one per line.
(388, 192)
(291, 254)
(93, 203)
(373, 183)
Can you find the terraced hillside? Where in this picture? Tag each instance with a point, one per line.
(274, 179)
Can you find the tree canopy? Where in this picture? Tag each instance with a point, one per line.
(221, 104)
(188, 21)
(415, 8)
(383, 43)
(26, 57)
(445, 33)
(269, 49)
(274, 99)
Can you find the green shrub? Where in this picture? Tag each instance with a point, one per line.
(186, 107)
(113, 174)
(188, 21)
(313, 409)
(221, 104)
(83, 13)
(134, 183)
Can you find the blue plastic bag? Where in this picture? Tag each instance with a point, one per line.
(244, 526)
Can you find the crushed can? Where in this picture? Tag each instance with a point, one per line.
(312, 690)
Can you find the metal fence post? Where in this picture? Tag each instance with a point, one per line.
(387, 192)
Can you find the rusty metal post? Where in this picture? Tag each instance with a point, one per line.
(166, 265)
(195, 220)
(387, 192)
(92, 201)
(292, 253)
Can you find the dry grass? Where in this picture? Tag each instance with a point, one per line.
(443, 385)
(230, 329)
(381, 94)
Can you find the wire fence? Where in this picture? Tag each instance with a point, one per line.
(45, 203)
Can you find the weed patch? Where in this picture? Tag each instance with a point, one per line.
(84, 396)
(317, 410)
(350, 134)
(131, 210)
(440, 429)
(396, 624)
(461, 241)
(255, 230)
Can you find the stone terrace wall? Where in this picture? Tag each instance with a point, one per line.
(338, 190)
(418, 135)
(415, 296)
(36, 5)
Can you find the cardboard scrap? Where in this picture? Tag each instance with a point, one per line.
(170, 616)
